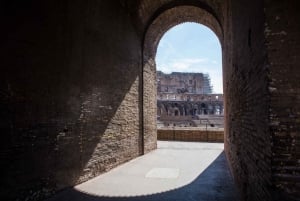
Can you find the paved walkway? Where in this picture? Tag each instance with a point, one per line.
(175, 171)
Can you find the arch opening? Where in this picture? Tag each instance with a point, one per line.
(159, 26)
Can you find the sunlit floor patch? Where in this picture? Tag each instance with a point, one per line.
(173, 165)
(163, 173)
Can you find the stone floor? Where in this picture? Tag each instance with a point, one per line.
(175, 171)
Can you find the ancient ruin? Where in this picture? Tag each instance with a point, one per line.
(78, 90)
(186, 100)
(181, 83)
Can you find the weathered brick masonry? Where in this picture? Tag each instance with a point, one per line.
(262, 92)
(78, 94)
(190, 135)
(70, 80)
(247, 137)
(282, 31)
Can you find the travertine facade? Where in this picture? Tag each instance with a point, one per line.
(176, 82)
(185, 98)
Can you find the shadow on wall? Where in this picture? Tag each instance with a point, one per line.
(211, 184)
(69, 94)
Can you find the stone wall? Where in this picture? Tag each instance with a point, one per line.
(69, 94)
(282, 31)
(153, 31)
(190, 135)
(77, 89)
(178, 82)
(261, 95)
(248, 145)
(190, 96)
(149, 104)
(169, 108)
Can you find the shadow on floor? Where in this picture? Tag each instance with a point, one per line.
(213, 184)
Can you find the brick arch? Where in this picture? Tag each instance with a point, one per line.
(173, 17)
(165, 18)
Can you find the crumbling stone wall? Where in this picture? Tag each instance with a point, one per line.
(173, 107)
(179, 82)
(69, 94)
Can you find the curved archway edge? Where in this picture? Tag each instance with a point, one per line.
(157, 28)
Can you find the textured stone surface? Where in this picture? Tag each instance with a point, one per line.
(191, 135)
(282, 30)
(69, 94)
(247, 137)
(179, 82)
(77, 89)
(261, 90)
(260, 128)
(169, 15)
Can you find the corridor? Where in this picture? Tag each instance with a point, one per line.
(175, 171)
(78, 97)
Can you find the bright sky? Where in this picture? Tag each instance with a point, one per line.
(191, 47)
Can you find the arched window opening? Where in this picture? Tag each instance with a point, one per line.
(189, 63)
(198, 85)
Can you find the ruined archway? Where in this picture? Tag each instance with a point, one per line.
(160, 25)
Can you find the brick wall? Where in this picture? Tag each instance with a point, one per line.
(247, 136)
(261, 97)
(73, 101)
(149, 103)
(69, 94)
(282, 31)
(153, 33)
(190, 135)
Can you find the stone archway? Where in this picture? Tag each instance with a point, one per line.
(160, 25)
